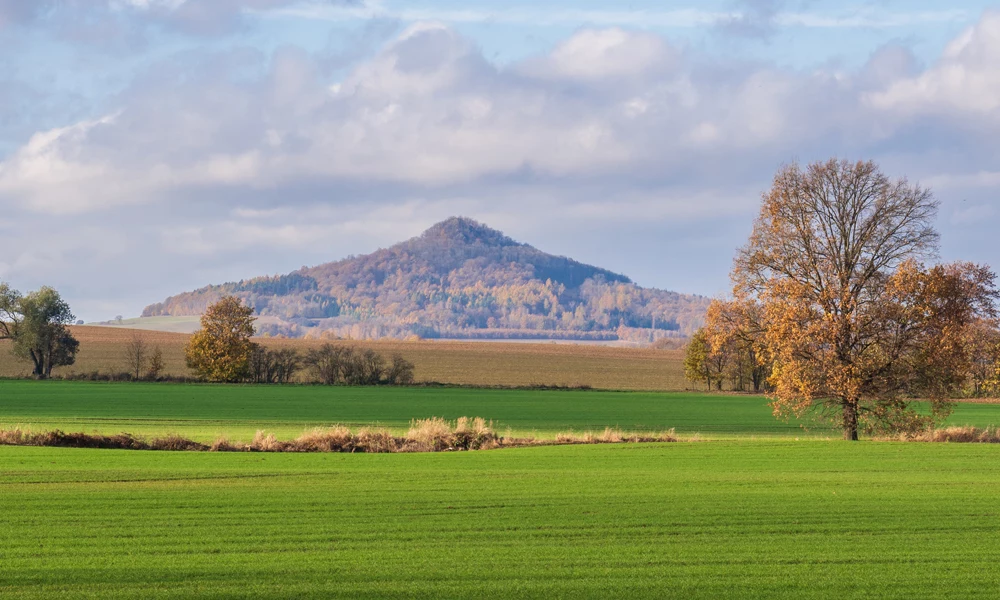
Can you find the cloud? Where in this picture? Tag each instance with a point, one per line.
(756, 19)
(85, 20)
(429, 111)
(21, 11)
(965, 81)
(748, 17)
(230, 163)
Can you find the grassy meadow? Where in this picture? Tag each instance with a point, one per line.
(203, 412)
(463, 363)
(764, 518)
(760, 508)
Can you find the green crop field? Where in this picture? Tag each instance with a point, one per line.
(763, 509)
(764, 518)
(203, 412)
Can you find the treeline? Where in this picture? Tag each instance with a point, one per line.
(459, 279)
(222, 351)
(344, 365)
(330, 365)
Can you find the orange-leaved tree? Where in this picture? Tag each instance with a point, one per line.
(850, 321)
(221, 349)
(733, 328)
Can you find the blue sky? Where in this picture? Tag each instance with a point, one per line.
(152, 146)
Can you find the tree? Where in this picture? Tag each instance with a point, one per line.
(221, 349)
(327, 362)
(733, 329)
(983, 342)
(156, 364)
(853, 323)
(333, 365)
(136, 354)
(36, 323)
(400, 371)
(700, 363)
(272, 366)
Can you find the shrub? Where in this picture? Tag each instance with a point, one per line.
(272, 366)
(332, 365)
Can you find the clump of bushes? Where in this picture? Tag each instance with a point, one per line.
(344, 365)
(272, 366)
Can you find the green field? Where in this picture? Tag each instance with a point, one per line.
(764, 518)
(764, 509)
(202, 412)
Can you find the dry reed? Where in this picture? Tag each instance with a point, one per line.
(958, 435)
(426, 435)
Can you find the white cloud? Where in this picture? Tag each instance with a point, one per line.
(232, 164)
(965, 80)
(689, 17)
(429, 110)
(602, 54)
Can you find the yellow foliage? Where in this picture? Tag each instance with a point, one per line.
(221, 349)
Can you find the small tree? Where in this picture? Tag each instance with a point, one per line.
(37, 325)
(400, 371)
(698, 361)
(734, 330)
(156, 364)
(983, 343)
(136, 353)
(327, 363)
(273, 366)
(221, 349)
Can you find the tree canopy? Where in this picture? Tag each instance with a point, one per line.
(221, 350)
(36, 323)
(850, 320)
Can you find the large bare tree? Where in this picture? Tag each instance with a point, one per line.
(851, 320)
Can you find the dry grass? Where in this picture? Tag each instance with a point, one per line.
(461, 363)
(437, 434)
(959, 435)
(615, 436)
(426, 435)
(120, 441)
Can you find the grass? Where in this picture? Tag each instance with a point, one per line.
(764, 510)
(758, 518)
(203, 412)
(470, 363)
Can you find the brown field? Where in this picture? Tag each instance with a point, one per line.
(467, 363)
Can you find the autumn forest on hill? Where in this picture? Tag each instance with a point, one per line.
(459, 280)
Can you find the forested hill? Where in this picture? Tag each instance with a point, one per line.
(460, 279)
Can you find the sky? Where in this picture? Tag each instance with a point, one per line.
(149, 147)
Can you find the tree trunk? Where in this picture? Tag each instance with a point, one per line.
(850, 420)
(38, 369)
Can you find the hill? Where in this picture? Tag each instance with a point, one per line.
(459, 279)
